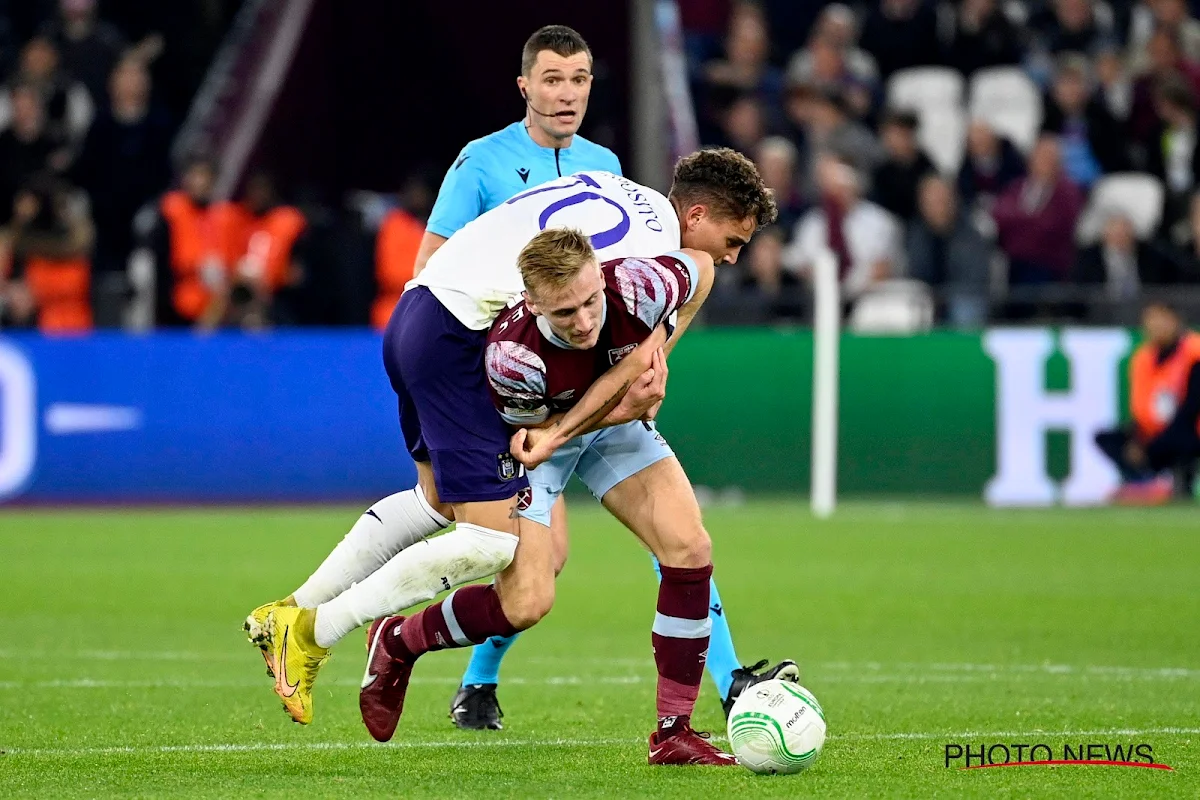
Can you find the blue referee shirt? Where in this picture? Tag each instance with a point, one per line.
(500, 166)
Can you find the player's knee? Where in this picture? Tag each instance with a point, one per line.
(689, 551)
(532, 605)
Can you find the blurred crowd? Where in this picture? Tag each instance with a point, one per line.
(980, 159)
(85, 140)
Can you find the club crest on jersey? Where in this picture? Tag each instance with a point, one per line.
(507, 466)
(616, 354)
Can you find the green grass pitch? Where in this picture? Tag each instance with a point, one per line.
(123, 670)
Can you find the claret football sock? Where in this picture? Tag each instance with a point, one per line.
(722, 658)
(680, 636)
(467, 616)
(389, 526)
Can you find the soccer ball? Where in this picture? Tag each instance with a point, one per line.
(776, 728)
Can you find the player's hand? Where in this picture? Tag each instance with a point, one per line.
(658, 384)
(532, 446)
(646, 394)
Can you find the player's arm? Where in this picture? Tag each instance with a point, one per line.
(534, 447)
(704, 276)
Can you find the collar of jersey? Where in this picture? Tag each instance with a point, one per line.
(554, 339)
(524, 133)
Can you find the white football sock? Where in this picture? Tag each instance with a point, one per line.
(392, 524)
(467, 553)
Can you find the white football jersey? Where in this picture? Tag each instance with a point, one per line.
(474, 274)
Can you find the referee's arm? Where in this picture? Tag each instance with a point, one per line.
(459, 200)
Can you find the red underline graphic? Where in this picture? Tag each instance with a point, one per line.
(1078, 763)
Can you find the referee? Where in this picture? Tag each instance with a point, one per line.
(555, 82)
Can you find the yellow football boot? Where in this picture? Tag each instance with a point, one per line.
(297, 658)
(255, 627)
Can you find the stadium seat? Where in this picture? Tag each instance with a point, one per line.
(935, 95)
(894, 307)
(1009, 101)
(1136, 195)
(924, 89)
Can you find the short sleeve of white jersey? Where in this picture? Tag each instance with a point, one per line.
(653, 289)
(517, 376)
(475, 272)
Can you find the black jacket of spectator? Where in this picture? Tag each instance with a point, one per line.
(996, 43)
(19, 161)
(894, 185)
(1108, 137)
(959, 257)
(122, 166)
(1153, 266)
(972, 182)
(901, 43)
(89, 60)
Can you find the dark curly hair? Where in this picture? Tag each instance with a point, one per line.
(725, 181)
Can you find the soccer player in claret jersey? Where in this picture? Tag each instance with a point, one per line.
(576, 319)
(434, 355)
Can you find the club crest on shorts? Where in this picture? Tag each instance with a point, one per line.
(506, 466)
(525, 498)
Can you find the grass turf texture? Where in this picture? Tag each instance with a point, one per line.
(123, 670)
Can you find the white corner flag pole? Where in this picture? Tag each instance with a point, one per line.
(827, 320)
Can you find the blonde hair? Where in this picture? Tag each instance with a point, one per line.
(554, 257)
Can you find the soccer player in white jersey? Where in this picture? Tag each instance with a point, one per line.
(434, 357)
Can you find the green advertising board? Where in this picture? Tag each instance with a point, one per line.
(943, 413)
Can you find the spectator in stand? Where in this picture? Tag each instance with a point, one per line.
(833, 60)
(1165, 60)
(895, 182)
(826, 125)
(761, 291)
(982, 36)
(944, 250)
(743, 125)
(864, 239)
(396, 247)
(836, 27)
(990, 165)
(776, 159)
(90, 47)
(826, 70)
(1182, 245)
(25, 148)
(44, 266)
(1164, 400)
(193, 254)
(1070, 26)
(1170, 15)
(1092, 141)
(1035, 219)
(1115, 89)
(1172, 155)
(745, 68)
(901, 34)
(270, 247)
(67, 105)
(123, 165)
(1120, 263)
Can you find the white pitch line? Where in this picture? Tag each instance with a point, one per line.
(507, 743)
(1050, 669)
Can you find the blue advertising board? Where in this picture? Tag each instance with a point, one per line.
(177, 417)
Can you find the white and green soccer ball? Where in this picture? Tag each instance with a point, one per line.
(776, 728)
